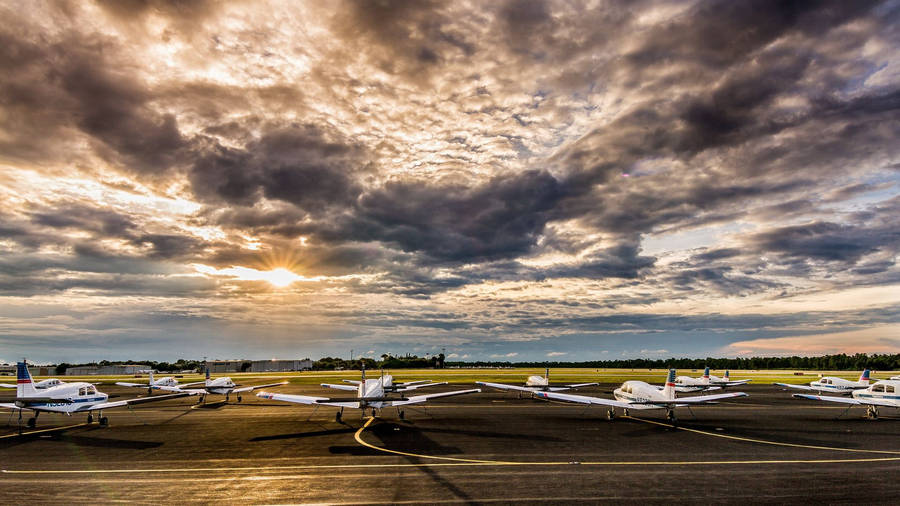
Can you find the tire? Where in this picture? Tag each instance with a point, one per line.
(90, 419)
(104, 422)
(32, 422)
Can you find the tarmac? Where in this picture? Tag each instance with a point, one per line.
(481, 448)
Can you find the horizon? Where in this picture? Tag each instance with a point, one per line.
(518, 180)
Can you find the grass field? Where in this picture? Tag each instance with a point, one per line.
(512, 375)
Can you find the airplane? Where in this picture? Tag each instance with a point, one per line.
(883, 393)
(640, 395)
(40, 385)
(370, 393)
(219, 386)
(833, 384)
(388, 382)
(535, 383)
(167, 381)
(68, 398)
(705, 382)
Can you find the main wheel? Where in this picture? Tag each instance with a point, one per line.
(610, 414)
(104, 422)
(402, 414)
(90, 419)
(32, 422)
(337, 417)
(670, 416)
(239, 398)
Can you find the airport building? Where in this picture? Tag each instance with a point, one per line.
(223, 366)
(107, 370)
(277, 365)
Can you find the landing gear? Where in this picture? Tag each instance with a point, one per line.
(104, 422)
(625, 412)
(610, 414)
(872, 412)
(201, 399)
(239, 398)
(226, 397)
(401, 414)
(374, 412)
(32, 422)
(337, 416)
(90, 418)
(670, 416)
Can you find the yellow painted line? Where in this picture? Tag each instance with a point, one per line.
(358, 437)
(44, 430)
(763, 441)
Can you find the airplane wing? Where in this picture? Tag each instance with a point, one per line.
(348, 388)
(9, 405)
(808, 388)
(845, 400)
(412, 386)
(503, 386)
(685, 389)
(125, 384)
(416, 399)
(352, 382)
(705, 399)
(307, 399)
(131, 402)
(579, 385)
(417, 382)
(256, 387)
(735, 383)
(586, 399)
(7, 385)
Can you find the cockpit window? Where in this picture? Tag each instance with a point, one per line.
(889, 389)
(878, 388)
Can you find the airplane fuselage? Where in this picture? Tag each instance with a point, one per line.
(634, 391)
(885, 391)
(72, 397)
(832, 384)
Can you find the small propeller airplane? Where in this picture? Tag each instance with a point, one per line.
(833, 384)
(68, 398)
(640, 395)
(219, 386)
(535, 383)
(370, 393)
(40, 385)
(883, 393)
(706, 382)
(166, 381)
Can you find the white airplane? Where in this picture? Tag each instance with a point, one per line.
(40, 385)
(640, 395)
(219, 386)
(166, 381)
(535, 384)
(370, 393)
(833, 384)
(883, 393)
(68, 398)
(705, 382)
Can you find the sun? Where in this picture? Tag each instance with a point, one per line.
(279, 277)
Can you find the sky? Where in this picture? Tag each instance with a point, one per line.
(498, 180)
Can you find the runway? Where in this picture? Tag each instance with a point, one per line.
(482, 448)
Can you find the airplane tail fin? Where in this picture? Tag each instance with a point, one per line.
(864, 377)
(706, 373)
(669, 389)
(24, 383)
(726, 377)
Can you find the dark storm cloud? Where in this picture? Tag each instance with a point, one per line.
(826, 241)
(499, 219)
(75, 83)
(300, 164)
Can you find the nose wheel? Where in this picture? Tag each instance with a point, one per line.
(337, 416)
(610, 414)
(872, 413)
(670, 416)
(90, 418)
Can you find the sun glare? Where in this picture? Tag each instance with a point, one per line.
(279, 277)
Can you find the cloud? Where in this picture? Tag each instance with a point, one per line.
(877, 339)
(557, 353)
(506, 355)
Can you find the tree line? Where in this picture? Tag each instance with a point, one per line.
(839, 362)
